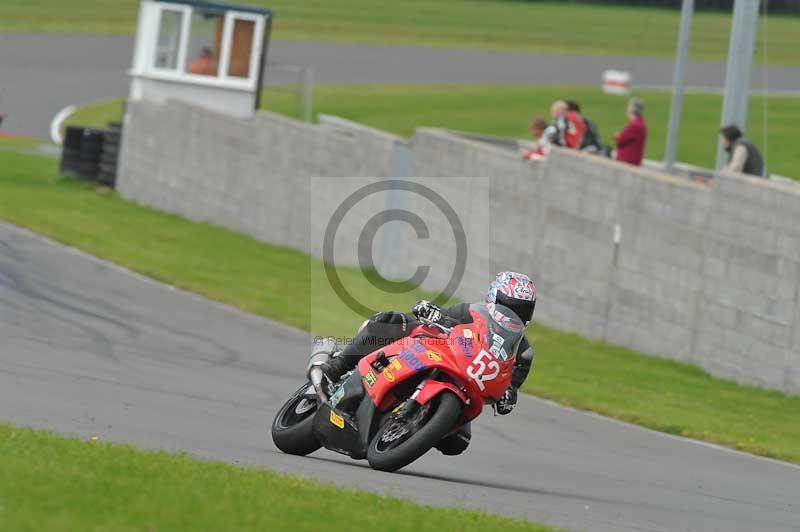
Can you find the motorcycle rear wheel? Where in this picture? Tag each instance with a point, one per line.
(396, 444)
(292, 427)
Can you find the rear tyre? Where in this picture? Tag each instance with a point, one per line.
(292, 427)
(401, 441)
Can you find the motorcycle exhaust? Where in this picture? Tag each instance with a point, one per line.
(323, 349)
(317, 380)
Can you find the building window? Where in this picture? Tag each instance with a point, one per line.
(169, 39)
(241, 48)
(205, 43)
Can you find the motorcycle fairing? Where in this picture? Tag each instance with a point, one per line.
(464, 353)
(336, 430)
(409, 358)
(342, 432)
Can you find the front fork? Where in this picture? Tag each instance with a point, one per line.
(428, 389)
(410, 406)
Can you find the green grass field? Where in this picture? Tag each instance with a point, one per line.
(504, 110)
(18, 143)
(49, 482)
(277, 282)
(492, 24)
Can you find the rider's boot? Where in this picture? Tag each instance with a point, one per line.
(336, 367)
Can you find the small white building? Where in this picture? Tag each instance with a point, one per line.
(208, 54)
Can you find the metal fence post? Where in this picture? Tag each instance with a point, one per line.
(308, 85)
(679, 80)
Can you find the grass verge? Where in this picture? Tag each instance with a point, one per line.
(14, 143)
(49, 482)
(504, 110)
(277, 283)
(553, 27)
(96, 114)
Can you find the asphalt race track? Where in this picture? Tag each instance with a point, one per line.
(90, 349)
(42, 74)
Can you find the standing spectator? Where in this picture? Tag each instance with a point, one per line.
(743, 156)
(631, 140)
(541, 134)
(569, 125)
(591, 139)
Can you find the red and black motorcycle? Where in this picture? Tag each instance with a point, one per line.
(403, 399)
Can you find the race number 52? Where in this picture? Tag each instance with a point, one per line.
(483, 368)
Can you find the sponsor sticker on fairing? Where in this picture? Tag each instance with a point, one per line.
(466, 345)
(337, 420)
(497, 347)
(410, 358)
(337, 396)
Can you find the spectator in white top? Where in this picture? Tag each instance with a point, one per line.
(542, 135)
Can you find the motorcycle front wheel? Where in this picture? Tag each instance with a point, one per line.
(292, 427)
(400, 441)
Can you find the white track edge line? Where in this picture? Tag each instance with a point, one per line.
(55, 123)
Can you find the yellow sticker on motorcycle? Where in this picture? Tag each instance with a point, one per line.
(388, 375)
(337, 420)
(433, 355)
(396, 364)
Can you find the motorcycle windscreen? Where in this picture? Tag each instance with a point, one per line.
(504, 329)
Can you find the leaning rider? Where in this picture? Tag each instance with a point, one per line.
(510, 289)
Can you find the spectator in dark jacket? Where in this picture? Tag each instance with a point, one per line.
(631, 140)
(743, 156)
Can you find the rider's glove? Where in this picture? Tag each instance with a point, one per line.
(507, 401)
(427, 310)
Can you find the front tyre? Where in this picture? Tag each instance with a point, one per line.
(291, 428)
(401, 441)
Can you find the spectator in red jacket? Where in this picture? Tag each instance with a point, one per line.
(569, 125)
(631, 140)
(204, 64)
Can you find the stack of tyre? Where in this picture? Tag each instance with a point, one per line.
(91, 147)
(107, 168)
(71, 152)
(91, 154)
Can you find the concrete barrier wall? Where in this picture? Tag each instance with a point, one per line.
(707, 276)
(749, 306)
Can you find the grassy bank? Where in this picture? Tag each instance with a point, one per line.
(49, 482)
(491, 24)
(504, 110)
(277, 283)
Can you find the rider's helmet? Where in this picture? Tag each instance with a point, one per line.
(515, 291)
